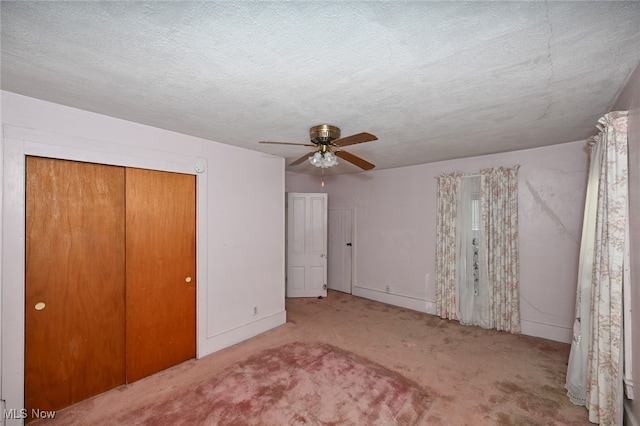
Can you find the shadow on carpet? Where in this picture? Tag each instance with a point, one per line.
(294, 384)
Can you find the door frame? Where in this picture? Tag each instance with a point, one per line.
(18, 143)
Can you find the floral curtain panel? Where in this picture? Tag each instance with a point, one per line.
(497, 251)
(500, 217)
(605, 367)
(595, 371)
(447, 205)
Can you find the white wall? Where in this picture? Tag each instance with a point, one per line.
(630, 100)
(395, 221)
(240, 260)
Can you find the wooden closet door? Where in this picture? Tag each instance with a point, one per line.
(75, 288)
(160, 270)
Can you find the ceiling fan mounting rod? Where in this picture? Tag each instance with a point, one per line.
(324, 133)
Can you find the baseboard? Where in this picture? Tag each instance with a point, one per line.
(530, 328)
(408, 302)
(547, 331)
(241, 333)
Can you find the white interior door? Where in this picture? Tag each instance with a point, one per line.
(340, 249)
(306, 245)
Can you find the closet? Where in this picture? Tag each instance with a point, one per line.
(110, 277)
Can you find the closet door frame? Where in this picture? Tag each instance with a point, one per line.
(21, 142)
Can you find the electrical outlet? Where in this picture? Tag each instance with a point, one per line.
(388, 289)
(255, 310)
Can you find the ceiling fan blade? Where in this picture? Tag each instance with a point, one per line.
(354, 159)
(301, 159)
(287, 143)
(354, 139)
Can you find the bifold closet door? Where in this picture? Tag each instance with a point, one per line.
(75, 281)
(160, 270)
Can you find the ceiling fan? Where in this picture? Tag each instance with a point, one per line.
(327, 143)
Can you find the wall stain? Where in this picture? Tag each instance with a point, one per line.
(549, 212)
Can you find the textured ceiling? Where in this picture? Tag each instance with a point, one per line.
(433, 80)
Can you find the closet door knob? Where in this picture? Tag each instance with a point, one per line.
(188, 279)
(40, 306)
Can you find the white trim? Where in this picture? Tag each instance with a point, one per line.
(627, 328)
(352, 211)
(202, 250)
(13, 203)
(529, 328)
(20, 142)
(67, 147)
(354, 249)
(408, 302)
(554, 332)
(238, 334)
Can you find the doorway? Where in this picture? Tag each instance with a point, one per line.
(306, 244)
(340, 243)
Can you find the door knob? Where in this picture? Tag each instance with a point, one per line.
(188, 279)
(40, 306)
(349, 244)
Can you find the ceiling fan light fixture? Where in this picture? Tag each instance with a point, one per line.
(323, 159)
(324, 137)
